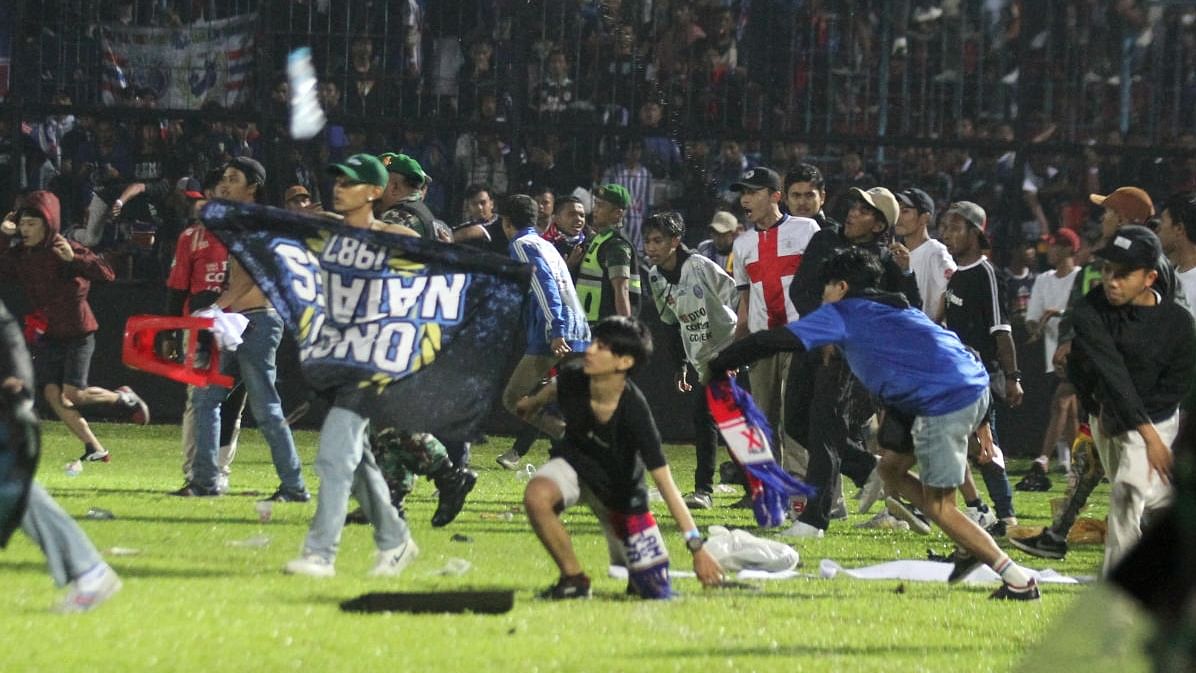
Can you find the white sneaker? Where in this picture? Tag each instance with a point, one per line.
(884, 521)
(311, 565)
(983, 517)
(873, 490)
(802, 529)
(90, 590)
(391, 562)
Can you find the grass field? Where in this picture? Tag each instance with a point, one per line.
(195, 602)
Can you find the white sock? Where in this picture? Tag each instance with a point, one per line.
(1043, 461)
(1011, 573)
(1063, 454)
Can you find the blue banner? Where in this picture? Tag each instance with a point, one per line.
(414, 334)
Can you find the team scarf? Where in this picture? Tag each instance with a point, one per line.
(414, 335)
(748, 436)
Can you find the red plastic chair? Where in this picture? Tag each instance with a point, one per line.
(138, 351)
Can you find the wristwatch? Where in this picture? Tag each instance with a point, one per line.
(694, 541)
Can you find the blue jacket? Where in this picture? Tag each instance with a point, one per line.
(556, 312)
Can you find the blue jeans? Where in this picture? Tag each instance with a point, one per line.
(254, 360)
(346, 466)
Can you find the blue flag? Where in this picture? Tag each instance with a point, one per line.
(413, 334)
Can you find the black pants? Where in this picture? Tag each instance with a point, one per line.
(705, 442)
(828, 408)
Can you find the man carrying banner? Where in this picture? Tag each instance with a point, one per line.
(345, 463)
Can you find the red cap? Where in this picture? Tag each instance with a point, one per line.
(1066, 237)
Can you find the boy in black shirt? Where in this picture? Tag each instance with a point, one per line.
(610, 437)
(1131, 363)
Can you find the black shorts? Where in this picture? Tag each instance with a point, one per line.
(64, 361)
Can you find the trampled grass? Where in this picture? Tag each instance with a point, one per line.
(195, 602)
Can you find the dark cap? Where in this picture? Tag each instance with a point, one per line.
(758, 178)
(974, 215)
(191, 188)
(913, 197)
(253, 170)
(521, 209)
(1133, 246)
(404, 165)
(362, 168)
(294, 192)
(616, 195)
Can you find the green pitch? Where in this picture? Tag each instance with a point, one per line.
(203, 590)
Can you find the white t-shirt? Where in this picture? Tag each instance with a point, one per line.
(766, 261)
(1050, 292)
(932, 266)
(1187, 280)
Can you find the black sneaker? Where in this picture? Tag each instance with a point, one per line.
(283, 495)
(356, 517)
(996, 529)
(92, 455)
(1036, 481)
(1008, 593)
(1043, 545)
(453, 487)
(963, 563)
(190, 490)
(743, 503)
(577, 586)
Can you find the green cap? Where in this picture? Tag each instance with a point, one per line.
(403, 165)
(362, 168)
(614, 194)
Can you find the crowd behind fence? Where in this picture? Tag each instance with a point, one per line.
(1015, 104)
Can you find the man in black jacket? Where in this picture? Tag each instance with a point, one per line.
(826, 407)
(1131, 363)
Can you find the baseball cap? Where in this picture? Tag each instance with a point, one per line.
(724, 222)
(190, 187)
(882, 200)
(362, 168)
(1066, 237)
(403, 165)
(520, 208)
(295, 191)
(971, 213)
(614, 194)
(913, 197)
(1130, 202)
(253, 170)
(758, 178)
(1134, 246)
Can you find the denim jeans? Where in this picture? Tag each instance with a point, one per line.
(254, 360)
(346, 467)
(69, 553)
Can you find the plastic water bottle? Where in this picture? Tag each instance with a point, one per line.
(307, 117)
(74, 468)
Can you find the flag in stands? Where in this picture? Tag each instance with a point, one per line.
(413, 334)
(185, 67)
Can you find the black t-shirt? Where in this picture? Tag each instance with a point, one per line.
(609, 458)
(975, 309)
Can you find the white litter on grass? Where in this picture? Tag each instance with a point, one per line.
(725, 488)
(251, 542)
(121, 551)
(454, 567)
(930, 571)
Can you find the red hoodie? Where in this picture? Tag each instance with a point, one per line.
(57, 288)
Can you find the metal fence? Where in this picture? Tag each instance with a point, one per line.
(516, 92)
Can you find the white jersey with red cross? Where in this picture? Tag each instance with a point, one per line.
(766, 261)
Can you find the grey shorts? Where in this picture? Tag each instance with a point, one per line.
(561, 473)
(64, 362)
(941, 443)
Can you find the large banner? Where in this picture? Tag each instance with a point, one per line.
(414, 334)
(186, 66)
